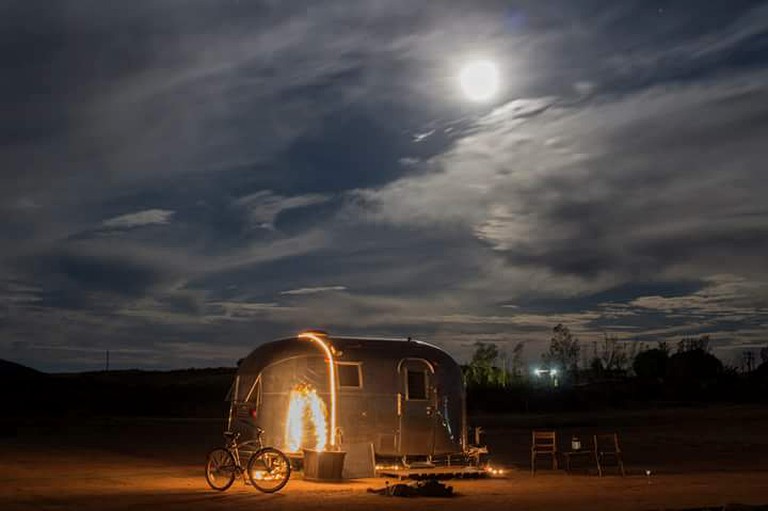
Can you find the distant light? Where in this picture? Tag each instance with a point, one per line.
(479, 80)
(553, 372)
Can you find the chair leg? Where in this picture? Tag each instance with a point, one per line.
(621, 465)
(533, 463)
(554, 461)
(599, 466)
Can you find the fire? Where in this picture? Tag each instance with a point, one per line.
(307, 422)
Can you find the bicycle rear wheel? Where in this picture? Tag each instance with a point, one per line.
(220, 469)
(269, 470)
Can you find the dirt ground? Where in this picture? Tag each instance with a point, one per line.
(697, 457)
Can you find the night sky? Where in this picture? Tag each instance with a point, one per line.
(181, 181)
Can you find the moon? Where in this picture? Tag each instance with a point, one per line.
(479, 80)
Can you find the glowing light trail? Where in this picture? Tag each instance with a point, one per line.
(316, 338)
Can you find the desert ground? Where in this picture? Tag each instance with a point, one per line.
(698, 457)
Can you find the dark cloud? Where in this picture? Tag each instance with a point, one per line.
(103, 282)
(627, 189)
(175, 177)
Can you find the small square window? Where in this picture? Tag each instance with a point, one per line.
(350, 375)
(417, 385)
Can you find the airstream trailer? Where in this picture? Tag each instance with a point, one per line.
(322, 392)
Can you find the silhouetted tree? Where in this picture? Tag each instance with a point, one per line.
(693, 344)
(613, 355)
(651, 365)
(485, 354)
(761, 373)
(694, 367)
(518, 363)
(747, 361)
(482, 369)
(596, 368)
(563, 350)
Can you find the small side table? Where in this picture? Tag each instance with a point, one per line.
(584, 453)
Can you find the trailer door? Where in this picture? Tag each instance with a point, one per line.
(416, 408)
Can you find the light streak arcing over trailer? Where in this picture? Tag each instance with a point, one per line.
(331, 380)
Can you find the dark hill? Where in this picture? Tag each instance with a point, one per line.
(180, 393)
(10, 371)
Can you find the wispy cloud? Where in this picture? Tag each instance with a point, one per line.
(626, 149)
(18, 293)
(695, 52)
(139, 219)
(264, 207)
(626, 187)
(419, 137)
(726, 297)
(313, 290)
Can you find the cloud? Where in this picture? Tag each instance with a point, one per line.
(626, 150)
(206, 312)
(418, 137)
(698, 52)
(584, 87)
(313, 290)
(14, 292)
(631, 185)
(264, 207)
(25, 204)
(139, 219)
(726, 297)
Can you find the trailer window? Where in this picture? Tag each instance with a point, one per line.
(350, 374)
(417, 385)
(254, 394)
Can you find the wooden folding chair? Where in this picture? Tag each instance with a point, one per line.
(543, 443)
(607, 447)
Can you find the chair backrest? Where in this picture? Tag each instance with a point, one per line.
(544, 441)
(607, 442)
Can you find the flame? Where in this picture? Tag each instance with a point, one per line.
(307, 422)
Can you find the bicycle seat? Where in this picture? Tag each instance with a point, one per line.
(231, 435)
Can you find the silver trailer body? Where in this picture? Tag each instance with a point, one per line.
(405, 397)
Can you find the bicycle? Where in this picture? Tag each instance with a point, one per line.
(268, 469)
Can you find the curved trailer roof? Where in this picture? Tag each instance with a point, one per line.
(269, 353)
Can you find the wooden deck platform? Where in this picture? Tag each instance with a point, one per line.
(418, 472)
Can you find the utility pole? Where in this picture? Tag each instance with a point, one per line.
(106, 362)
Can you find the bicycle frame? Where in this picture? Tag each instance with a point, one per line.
(234, 447)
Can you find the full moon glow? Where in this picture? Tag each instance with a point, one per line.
(479, 80)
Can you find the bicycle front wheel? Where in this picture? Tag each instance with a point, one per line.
(220, 469)
(269, 470)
